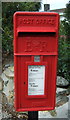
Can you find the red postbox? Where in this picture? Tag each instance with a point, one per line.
(35, 60)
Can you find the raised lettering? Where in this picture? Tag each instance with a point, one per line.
(28, 47)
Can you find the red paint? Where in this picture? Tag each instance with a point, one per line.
(35, 33)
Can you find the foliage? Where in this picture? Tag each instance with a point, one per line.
(8, 9)
(63, 59)
(64, 45)
(66, 22)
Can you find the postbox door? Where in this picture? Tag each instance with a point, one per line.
(35, 90)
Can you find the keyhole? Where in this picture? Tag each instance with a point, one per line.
(24, 82)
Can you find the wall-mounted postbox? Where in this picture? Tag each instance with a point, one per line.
(35, 60)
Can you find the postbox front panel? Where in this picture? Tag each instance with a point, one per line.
(35, 60)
